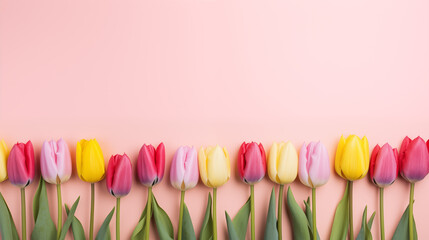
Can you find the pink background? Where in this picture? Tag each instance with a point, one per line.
(204, 72)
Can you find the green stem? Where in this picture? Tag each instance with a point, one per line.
(182, 204)
(23, 215)
(148, 212)
(382, 213)
(410, 215)
(351, 209)
(280, 213)
(118, 218)
(91, 223)
(214, 215)
(313, 203)
(60, 212)
(252, 210)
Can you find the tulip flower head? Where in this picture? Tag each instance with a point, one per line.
(414, 159)
(352, 158)
(55, 162)
(119, 175)
(4, 153)
(20, 164)
(89, 161)
(384, 165)
(251, 162)
(184, 168)
(314, 169)
(151, 164)
(283, 163)
(214, 166)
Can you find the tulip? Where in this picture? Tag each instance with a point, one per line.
(314, 171)
(252, 167)
(352, 163)
(150, 171)
(4, 153)
(383, 170)
(90, 168)
(55, 164)
(282, 169)
(414, 166)
(20, 168)
(183, 176)
(214, 171)
(118, 181)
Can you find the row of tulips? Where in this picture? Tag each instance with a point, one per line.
(212, 165)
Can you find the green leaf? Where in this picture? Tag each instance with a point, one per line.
(341, 219)
(138, 232)
(104, 231)
(77, 228)
(402, 231)
(206, 232)
(187, 227)
(271, 231)
(162, 221)
(44, 227)
(238, 227)
(298, 218)
(365, 230)
(7, 226)
(309, 215)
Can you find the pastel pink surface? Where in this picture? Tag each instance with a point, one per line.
(206, 72)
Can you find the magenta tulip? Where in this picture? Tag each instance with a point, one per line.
(55, 161)
(251, 162)
(383, 166)
(20, 164)
(314, 169)
(184, 168)
(414, 159)
(119, 175)
(150, 164)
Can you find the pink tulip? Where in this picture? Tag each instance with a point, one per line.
(20, 164)
(150, 164)
(119, 175)
(383, 167)
(251, 162)
(413, 159)
(55, 162)
(184, 168)
(313, 167)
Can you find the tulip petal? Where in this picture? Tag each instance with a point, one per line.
(241, 164)
(177, 170)
(160, 161)
(319, 169)
(81, 144)
(29, 161)
(63, 161)
(92, 168)
(287, 168)
(254, 168)
(385, 169)
(146, 166)
(48, 166)
(272, 163)
(122, 178)
(353, 163)
(302, 168)
(202, 162)
(4, 154)
(16, 166)
(190, 178)
(217, 167)
(372, 161)
(338, 156)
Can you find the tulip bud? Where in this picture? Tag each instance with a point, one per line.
(4, 153)
(282, 163)
(413, 159)
(89, 161)
(383, 167)
(55, 162)
(251, 162)
(214, 166)
(314, 167)
(184, 168)
(151, 164)
(119, 175)
(352, 158)
(20, 164)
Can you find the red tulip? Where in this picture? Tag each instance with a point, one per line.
(20, 164)
(414, 159)
(119, 175)
(383, 166)
(251, 162)
(151, 164)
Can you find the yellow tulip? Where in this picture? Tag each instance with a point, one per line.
(89, 161)
(214, 166)
(352, 158)
(283, 163)
(4, 153)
